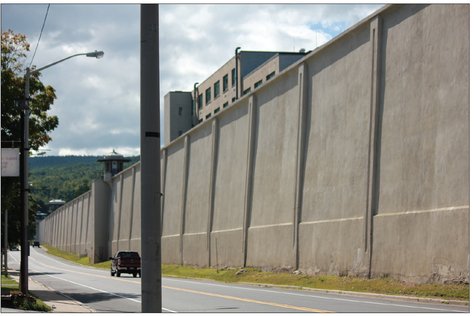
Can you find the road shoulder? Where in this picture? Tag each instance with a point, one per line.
(60, 303)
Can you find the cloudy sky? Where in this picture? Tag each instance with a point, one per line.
(98, 100)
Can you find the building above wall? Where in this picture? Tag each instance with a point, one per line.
(241, 74)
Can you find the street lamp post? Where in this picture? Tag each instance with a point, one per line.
(24, 166)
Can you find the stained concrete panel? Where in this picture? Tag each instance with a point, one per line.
(271, 246)
(422, 246)
(172, 221)
(135, 242)
(174, 189)
(124, 234)
(85, 239)
(335, 174)
(198, 184)
(334, 247)
(230, 168)
(78, 221)
(272, 209)
(116, 212)
(425, 127)
(69, 226)
(170, 245)
(196, 214)
(275, 152)
(195, 250)
(226, 248)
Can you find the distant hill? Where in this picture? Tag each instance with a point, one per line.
(64, 177)
(57, 161)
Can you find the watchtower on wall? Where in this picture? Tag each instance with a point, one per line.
(113, 164)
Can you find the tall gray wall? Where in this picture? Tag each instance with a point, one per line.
(79, 226)
(354, 161)
(70, 227)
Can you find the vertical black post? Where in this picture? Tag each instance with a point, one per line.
(150, 160)
(6, 243)
(24, 188)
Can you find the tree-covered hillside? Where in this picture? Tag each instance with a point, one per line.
(64, 177)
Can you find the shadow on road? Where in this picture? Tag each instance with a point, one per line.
(86, 298)
(43, 273)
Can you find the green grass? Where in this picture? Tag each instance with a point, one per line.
(8, 284)
(74, 258)
(20, 301)
(323, 282)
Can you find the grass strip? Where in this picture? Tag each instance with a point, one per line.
(84, 260)
(18, 300)
(323, 282)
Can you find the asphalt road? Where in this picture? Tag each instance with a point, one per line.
(103, 293)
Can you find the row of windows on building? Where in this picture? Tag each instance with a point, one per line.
(225, 86)
(217, 88)
(216, 110)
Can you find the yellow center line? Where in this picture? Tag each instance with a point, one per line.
(248, 300)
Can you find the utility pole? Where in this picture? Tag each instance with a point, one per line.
(25, 149)
(25, 187)
(6, 242)
(150, 160)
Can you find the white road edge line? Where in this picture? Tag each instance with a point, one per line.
(321, 297)
(96, 289)
(86, 286)
(13, 257)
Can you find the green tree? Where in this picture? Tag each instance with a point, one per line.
(14, 49)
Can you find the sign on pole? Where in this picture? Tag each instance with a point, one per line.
(10, 162)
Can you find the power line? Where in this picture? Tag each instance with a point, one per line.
(41, 33)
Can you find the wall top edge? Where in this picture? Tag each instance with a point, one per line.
(67, 204)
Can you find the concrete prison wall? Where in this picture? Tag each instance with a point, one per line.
(78, 226)
(354, 161)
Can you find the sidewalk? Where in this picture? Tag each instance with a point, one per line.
(57, 301)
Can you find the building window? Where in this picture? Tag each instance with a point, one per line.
(200, 121)
(180, 111)
(257, 84)
(233, 99)
(246, 91)
(217, 89)
(208, 95)
(270, 76)
(225, 83)
(234, 77)
(217, 110)
(208, 116)
(225, 105)
(200, 101)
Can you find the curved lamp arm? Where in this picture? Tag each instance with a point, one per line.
(96, 54)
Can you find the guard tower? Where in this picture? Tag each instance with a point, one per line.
(113, 164)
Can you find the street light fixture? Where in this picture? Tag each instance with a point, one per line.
(96, 54)
(24, 168)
